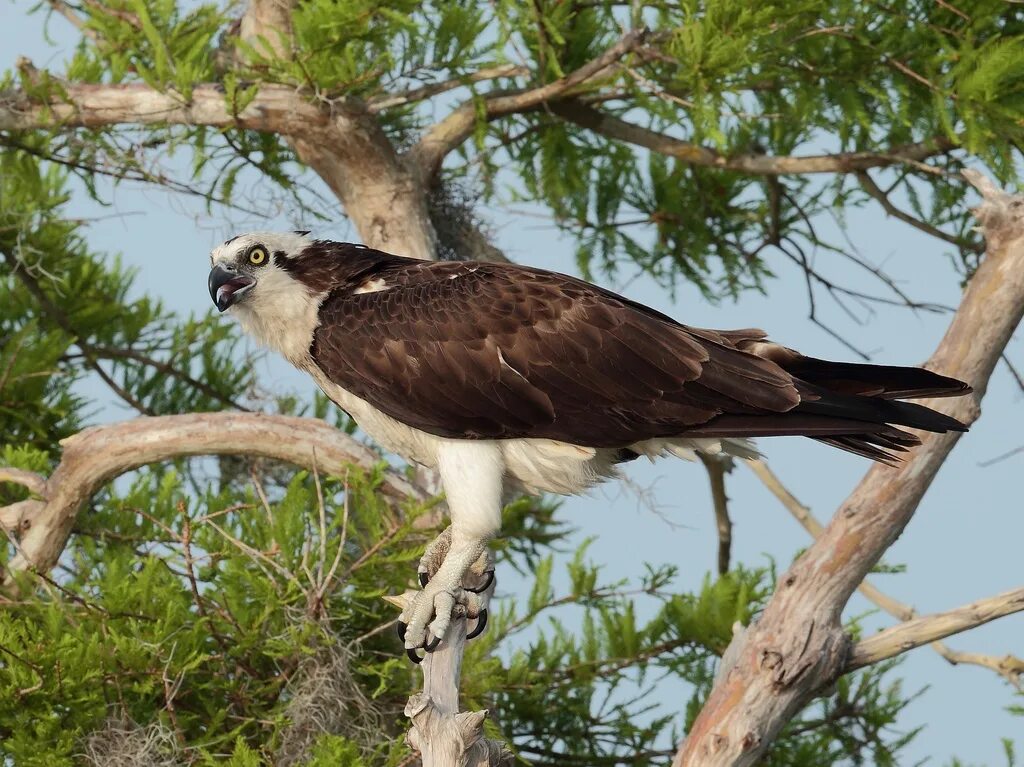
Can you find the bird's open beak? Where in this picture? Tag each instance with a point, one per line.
(227, 286)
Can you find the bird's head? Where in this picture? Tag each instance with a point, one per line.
(271, 283)
(246, 269)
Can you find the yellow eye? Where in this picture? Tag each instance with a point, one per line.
(257, 256)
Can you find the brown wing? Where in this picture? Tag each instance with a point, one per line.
(477, 350)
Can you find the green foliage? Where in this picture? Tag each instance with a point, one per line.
(766, 79)
(208, 613)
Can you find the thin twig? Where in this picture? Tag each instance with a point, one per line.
(716, 467)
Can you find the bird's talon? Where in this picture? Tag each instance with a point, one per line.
(402, 626)
(487, 583)
(424, 579)
(411, 652)
(481, 624)
(432, 645)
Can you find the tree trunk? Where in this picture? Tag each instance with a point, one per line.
(798, 647)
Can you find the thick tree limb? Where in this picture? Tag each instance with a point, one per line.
(1009, 667)
(341, 141)
(454, 129)
(798, 646)
(95, 456)
(929, 628)
(757, 164)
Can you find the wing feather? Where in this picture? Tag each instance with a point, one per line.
(500, 351)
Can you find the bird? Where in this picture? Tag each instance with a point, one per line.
(506, 378)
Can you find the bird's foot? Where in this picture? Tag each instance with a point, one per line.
(477, 579)
(440, 607)
(457, 582)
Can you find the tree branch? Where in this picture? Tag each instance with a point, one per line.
(340, 141)
(94, 457)
(869, 186)
(391, 100)
(445, 136)
(757, 164)
(798, 646)
(716, 466)
(274, 109)
(928, 628)
(442, 734)
(1009, 667)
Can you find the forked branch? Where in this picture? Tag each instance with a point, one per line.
(798, 646)
(1010, 667)
(930, 628)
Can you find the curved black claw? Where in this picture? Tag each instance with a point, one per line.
(424, 579)
(411, 652)
(481, 624)
(432, 645)
(402, 626)
(487, 583)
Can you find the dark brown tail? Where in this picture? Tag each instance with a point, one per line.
(854, 407)
(872, 394)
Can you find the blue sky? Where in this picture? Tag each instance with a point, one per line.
(963, 544)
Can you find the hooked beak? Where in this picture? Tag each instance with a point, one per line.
(227, 286)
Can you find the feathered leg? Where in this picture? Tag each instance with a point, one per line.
(471, 473)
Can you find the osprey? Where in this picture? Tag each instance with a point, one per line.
(509, 378)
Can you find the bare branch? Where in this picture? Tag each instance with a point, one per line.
(391, 100)
(448, 134)
(65, 10)
(1009, 667)
(757, 164)
(94, 457)
(34, 483)
(275, 109)
(716, 466)
(444, 735)
(798, 646)
(929, 628)
(344, 144)
(869, 186)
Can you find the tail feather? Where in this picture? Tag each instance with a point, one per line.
(851, 406)
(881, 381)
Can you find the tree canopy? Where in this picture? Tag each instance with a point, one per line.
(221, 604)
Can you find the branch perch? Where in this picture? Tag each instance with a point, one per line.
(1009, 667)
(444, 736)
(798, 646)
(94, 457)
(454, 129)
(717, 466)
(929, 628)
(614, 127)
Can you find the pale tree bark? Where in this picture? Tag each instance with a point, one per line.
(94, 457)
(798, 647)
(1009, 667)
